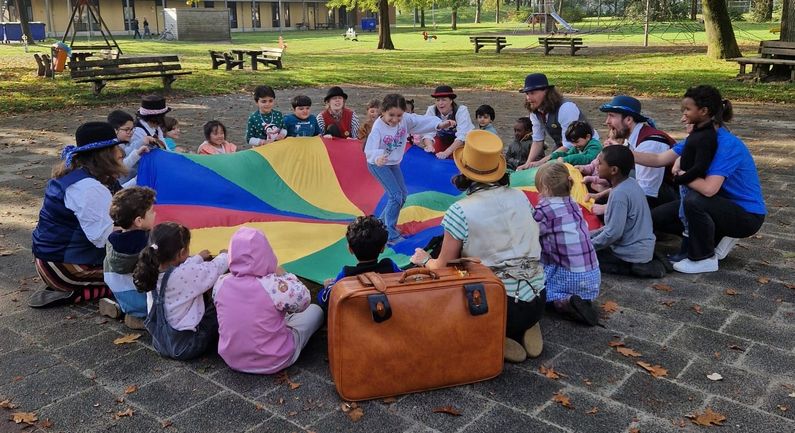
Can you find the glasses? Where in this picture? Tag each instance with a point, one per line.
(125, 129)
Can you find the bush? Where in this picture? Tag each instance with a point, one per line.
(572, 13)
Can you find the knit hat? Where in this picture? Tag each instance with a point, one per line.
(153, 105)
(481, 158)
(535, 82)
(335, 91)
(444, 92)
(90, 136)
(625, 105)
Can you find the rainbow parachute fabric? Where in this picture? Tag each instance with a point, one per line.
(302, 193)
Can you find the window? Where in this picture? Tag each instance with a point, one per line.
(128, 13)
(209, 4)
(255, 16)
(232, 14)
(82, 23)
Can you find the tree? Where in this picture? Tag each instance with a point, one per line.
(24, 20)
(721, 43)
(788, 21)
(477, 12)
(380, 6)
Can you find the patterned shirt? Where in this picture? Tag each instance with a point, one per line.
(565, 239)
(264, 126)
(296, 127)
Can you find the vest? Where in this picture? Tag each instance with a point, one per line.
(552, 125)
(343, 126)
(648, 132)
(501, 227)
(58, 236)
(447, 135)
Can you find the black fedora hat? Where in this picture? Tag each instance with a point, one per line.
(444, 92)
(335, 91)
(153, 105)
(535, 81)
(90, 136)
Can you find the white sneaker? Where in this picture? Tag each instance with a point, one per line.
(724, 247)
(688, 266)
(109, 308)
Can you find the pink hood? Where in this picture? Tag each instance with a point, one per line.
(250, 254)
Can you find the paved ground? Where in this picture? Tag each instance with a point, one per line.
(62, 363)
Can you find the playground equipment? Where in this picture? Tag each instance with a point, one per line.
(548, 19)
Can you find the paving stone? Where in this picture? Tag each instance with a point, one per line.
(173, 393)
(609, 417)
(777, 290)
(10, 341)
(304, 405)
(137, 368)
(314, 357)
(249, 385)
(766, 359)
(707, 343)
(578, 367)
(207, 364)
(746, 302)
(641, 325)
(224, 412)
(591, 340)
(518, 388)
(742, 419)
(97, 350)
(45, 387)
(737, 384)
(779, 402)
(729, 279)
(501, 419)
(674, 360)
(70, 331)
(377, 418)
(778, 335)
(651, 424)
(273, 424)
(551, 350)
(681, 309)
(22, 362)
(36, 323)
(658, 396)
(420, 407)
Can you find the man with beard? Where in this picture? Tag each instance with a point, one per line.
(638, 132)
(551, 115)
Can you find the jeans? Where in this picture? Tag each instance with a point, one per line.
(709, 220)
(683, 190)
(391, 178)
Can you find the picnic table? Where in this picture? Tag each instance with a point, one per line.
(575, 44)
(254, 54)
(771, 53)
(499, 42)
(324, 26)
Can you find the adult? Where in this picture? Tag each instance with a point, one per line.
(74, 221)
(725, 205)
(495, 223)
(550, 113)
(147, 33)
(135, 28)
(337, 120)
(625, 121)
(444, 142)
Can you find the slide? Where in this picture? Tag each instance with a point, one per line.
(563, 22)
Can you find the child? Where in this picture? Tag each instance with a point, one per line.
(337, 120)
(704, 109)
(215, 140)
(147, 131)
(264, 314)
(132, 209)
(444, 142)
(173, 133)
(265, 125)
(625, 245)
(122, 122)
(516, 153)
(367, 238)
(485, 116)
(414, 139)
(384, 151)
(597, 186)
(301, 123)
(373, 110)
(584, 147)
(571, 269)
(181, 326)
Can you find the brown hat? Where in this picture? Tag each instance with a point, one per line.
(444, 92)
(481, 158)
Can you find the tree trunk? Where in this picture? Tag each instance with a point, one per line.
(454, 18)
(721, 43)
(477, 12)
(497, 15)
(788, 21)
(24, 20)
(769, 11)
(518, 3)
(422, 18)
(416, 15)
(384, 31)
(693, 9)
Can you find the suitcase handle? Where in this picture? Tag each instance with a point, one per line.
(372, 279)
(416, 272)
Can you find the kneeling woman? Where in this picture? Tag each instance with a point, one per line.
(495, 223)
(74, 221)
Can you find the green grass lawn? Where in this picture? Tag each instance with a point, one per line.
(323, 58)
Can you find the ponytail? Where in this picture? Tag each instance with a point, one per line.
(709, 97)
(728, 111)
(166, 242)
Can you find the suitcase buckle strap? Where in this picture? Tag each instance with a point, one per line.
(379, 307)
(476, 299)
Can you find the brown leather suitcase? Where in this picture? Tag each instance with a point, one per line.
(391, 334)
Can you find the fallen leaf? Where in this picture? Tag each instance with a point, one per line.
(634, 430)
(47, 423)
(615, 343)
(127, 338)
(662, 287)
(593, 411)
(6, 404)
(388, 400)
(549, 373)
(587, 382)
(789, 286)
(708, 418)
(791, 395)
(292, 413)
(714, 376)
(26, 417)
(563, 399)
(284, 378)
(166, 424)
(450, 410)
(119, 400)
(356, 414)
(131, 389)
(610, 307)
(763, 280)
(669, 303)
(697, 309)
(736, 347)
(626, 351)
(730, 292)
(126, 412)
(781, 407)
(654, 370)
(259, 406)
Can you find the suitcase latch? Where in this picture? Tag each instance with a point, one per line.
(476, 299)
(379, 307)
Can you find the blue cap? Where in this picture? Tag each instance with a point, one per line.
(625, 105)
(535, 82)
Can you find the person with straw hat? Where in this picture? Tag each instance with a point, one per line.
(495, 223)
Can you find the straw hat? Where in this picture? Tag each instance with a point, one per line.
(481, 158)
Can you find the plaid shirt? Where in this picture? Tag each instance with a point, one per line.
(564, 235)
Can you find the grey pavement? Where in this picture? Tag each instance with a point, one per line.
(739, 322)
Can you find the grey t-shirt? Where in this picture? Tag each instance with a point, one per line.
(628, 229)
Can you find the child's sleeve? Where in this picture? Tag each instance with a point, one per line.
(615, 221)
(588, 154)
(315, 125)
(131, 159)
(289, 126)
(373, 148)
(705, 152)
(540, 216)
(354, 125)
(196, 276)
(417, 124)
(321, 124)
(290, 295)
(251, 137)
(463, 123)
(429, 112)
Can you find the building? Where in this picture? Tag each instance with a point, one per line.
(244, 16)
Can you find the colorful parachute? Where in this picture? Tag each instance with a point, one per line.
(302, 193)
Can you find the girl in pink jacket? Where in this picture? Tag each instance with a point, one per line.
(264, 314)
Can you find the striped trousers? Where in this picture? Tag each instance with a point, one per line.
(84, 281)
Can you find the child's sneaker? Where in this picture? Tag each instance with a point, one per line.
(109, 308)
(583, 311)
(133, 322)
(725, 246)
(514, 352)
(532, 341)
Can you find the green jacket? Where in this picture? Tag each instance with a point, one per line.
(575, 156)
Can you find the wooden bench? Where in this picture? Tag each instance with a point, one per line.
(221, 58)
(99, 72)
(771, 53)
(302, 26)
(575, 44)
(324, 26)
(499, 42)
(271, 56)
